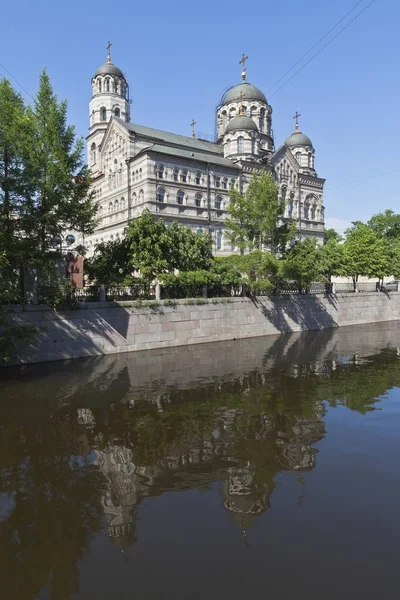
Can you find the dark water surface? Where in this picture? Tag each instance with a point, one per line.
(265, 468)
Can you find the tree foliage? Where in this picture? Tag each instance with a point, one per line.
(304, 263)
(111, 262)
(160, 248)
(255, 218)
(363, 253)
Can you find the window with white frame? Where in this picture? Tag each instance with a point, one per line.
(179, 197)
(184, 176)
(219, 239)
(240, 145)
(197, 179)
(160, 195)
(160, 172)
(218, 202)
(197, 200)
(176, 174)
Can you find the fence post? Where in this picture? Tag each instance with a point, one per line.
(102, 293)
(158, 291)
(205, 290)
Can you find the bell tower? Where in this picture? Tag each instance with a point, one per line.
(110, 98)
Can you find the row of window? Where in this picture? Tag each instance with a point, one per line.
(309, 210)
(103, 113)
(233, 112)
(198, 199)
(112, 86)
(183, 176)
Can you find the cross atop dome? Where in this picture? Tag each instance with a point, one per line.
(243, 63)
(109, 54)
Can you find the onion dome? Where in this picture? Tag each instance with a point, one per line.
(298, 139)
(249, 91)
(240, 123)
(109, 69)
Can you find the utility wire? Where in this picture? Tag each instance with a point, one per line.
(323, 47)
(16, 80)
(315, 45)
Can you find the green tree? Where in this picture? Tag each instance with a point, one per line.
(303, 263)
(363, 253)
(61, 198)
(255, 218)
(331, 256)
(15, 178)
(386, 224)
(158, 248)
(111, 262)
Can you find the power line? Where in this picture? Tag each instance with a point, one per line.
(323, 47)
(16, 80)
(361, 179)
(315, 45)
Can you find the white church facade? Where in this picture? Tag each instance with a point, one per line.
(188, 179)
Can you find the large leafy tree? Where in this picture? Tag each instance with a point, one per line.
(111, 263)
(255, 218)
(15, 177)
(364, 253)
(304, 263)
(331, 254)
(160, 248)
(386, 224)
(61, 198)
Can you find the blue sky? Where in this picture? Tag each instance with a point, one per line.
(179, 57)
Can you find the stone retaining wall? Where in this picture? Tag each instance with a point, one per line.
(109, 328)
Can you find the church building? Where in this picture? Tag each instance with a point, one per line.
(188, 179)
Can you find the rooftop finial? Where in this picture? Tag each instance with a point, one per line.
(296, 116)
(108, 50)
(243, 63)
(192, 124)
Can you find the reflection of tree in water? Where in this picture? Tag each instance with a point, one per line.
(54, 502)
(240, 431)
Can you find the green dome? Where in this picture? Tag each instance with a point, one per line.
(298, 139)
(240, 123)
(250, 92)
(109, 69)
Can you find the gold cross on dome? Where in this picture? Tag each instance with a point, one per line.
(241, 96)
(296, 116)
(108, 50)
(243, 63)
(192, 124)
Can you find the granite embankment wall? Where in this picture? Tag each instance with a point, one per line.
(109, 328)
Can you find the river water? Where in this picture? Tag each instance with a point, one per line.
(249, 469)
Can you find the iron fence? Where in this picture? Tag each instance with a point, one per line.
(116, 293)
(344, 288)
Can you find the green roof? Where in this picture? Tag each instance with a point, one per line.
(298, 139)
(250, 92)
(213, 159)
(240, 123)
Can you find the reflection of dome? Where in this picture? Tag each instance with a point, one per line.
(298, 139)
(250, 92)
(240, 123)
(109, 69)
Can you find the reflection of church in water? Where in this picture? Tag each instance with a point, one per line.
(245, 463)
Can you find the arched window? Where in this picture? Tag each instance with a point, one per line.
(122, 203)
(232, 184)
(179, 197)
(218, 202)
(101, 212)
(219, 239)
(107, 85)
(103, 114)
(110, 208)
(262, 119)
(160, 172)
(160, 195)
(291, 205)
(283, 193)
(99, 85)
(298, 157)
(309, 160)
(184, 176)
(225, 183)
(253, 146)
(176, 174)
(140, 173)
(197, 200)
(217, 182)
(93, 153)
(224, 119)
(232, 113)
(313, 212)
(116, 206)
(244, 109)
(197, 179)
(134, 198)
(141, 196)
(240, 145)
(253, 111)
(117, 112)
(307, 211)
